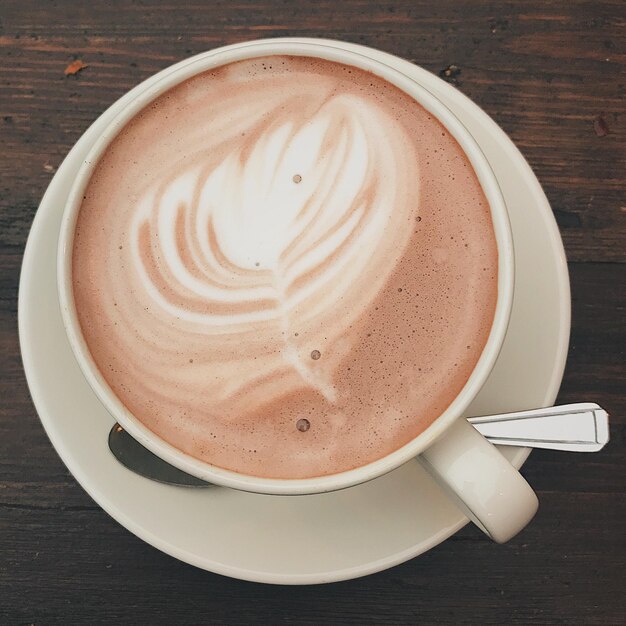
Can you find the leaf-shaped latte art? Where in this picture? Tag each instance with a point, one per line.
(278, 232)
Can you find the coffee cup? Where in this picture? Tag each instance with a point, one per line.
(479, 479)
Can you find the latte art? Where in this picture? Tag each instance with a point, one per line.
(263, 271)
(242, 240)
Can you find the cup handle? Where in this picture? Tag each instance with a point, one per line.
(489, 490)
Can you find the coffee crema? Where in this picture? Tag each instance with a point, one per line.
(285, 267)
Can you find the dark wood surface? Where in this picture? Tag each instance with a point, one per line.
(552, 75)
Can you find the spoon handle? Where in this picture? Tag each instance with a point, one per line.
(582, 427)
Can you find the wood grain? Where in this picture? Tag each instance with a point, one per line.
(545, 71)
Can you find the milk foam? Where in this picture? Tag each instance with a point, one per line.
(285, 239)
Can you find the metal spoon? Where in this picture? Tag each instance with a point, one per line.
(573, 427)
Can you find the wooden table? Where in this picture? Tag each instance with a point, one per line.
(552, 75)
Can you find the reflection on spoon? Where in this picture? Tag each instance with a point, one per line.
(130, 453)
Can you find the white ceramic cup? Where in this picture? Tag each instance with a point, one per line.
(481, 481)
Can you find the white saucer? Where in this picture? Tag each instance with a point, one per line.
(297, 539)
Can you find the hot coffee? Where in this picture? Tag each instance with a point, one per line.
(285, 267)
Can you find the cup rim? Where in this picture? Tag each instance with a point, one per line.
(499, 216)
